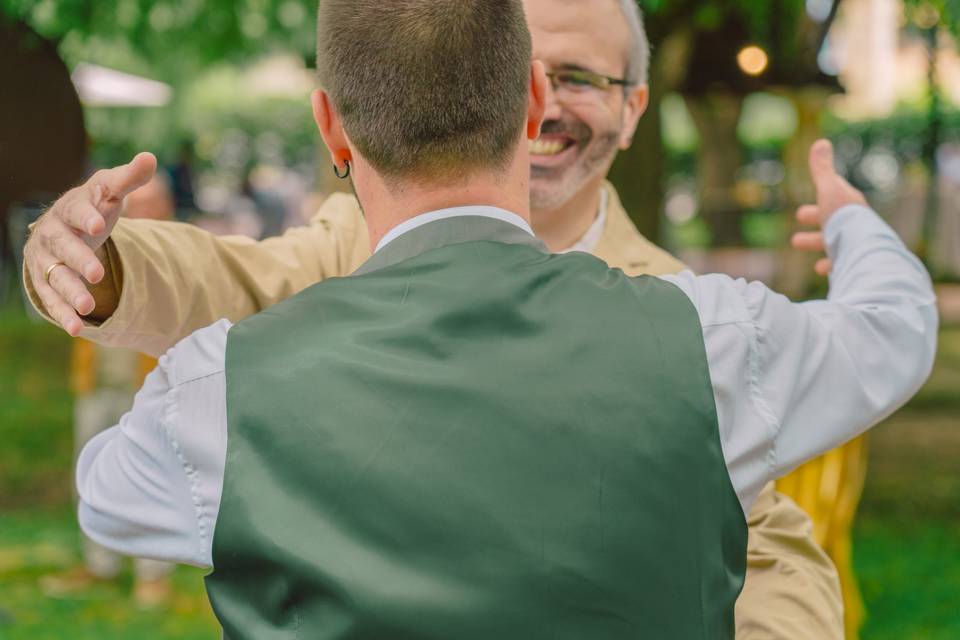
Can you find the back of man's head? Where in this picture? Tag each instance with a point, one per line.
(427, 89)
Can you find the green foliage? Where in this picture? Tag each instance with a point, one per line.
(768, 229)
(117, 134)
(230, 122)
(765, 21)
(947, 12)
(693, 234)
(234, 122)
(178, 34)
(767, 121)
(680, 133)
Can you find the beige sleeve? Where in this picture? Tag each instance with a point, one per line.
(792, 589)
(177, 278)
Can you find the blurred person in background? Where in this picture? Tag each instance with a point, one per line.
(267, 202)
(182, 183)
(104, 381)
(596, 56)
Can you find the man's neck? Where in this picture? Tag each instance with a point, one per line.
(562, 227)
(385, 208)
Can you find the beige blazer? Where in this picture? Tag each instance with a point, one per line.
(174, 279)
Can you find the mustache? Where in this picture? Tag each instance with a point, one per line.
(572, 128)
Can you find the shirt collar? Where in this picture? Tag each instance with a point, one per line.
(465, 226)
(455, 212)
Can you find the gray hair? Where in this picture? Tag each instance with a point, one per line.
(638, 58)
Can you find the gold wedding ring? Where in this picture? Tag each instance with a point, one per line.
(46, 274)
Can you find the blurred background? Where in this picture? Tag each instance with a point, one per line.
(218, 90)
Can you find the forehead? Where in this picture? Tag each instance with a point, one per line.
(588, 33)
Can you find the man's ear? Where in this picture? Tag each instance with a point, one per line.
(634, 107)
(538, 99)
(331, 129)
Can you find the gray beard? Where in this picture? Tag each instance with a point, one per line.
(585, 169)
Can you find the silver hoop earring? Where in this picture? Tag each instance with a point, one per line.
(346, 172)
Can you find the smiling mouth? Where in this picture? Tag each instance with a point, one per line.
(552, 146)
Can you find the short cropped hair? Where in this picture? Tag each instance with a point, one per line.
(638, 55)
(427, 88)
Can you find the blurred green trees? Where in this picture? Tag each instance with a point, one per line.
(696, 43)
(180, 37)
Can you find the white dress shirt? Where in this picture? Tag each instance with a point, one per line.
(591, 238)
(790, 381)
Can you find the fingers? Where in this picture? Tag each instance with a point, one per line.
(66, 283)
(54, 239)
(809, 214)
(57, 308)
(822, 169)
(110, 186)
(809, 241)
(812, 240)
(65, 296)
(81, 215)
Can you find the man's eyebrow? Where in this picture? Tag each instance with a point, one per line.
(569, 66)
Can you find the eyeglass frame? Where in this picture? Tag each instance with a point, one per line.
(603, 83)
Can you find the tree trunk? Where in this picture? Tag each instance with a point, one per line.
(795, 275)
(719, 157)
(639, 172)
(43, 143)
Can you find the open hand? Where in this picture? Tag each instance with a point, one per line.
(833, 193)
(70, 234)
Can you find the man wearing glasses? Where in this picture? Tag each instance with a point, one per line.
(157, 283)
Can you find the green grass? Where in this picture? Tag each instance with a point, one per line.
(34, 412)
(907, 537)
(910, 578)
(38, 530)
(36, 542)
(906, 547)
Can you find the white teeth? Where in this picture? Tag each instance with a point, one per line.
(546, 148)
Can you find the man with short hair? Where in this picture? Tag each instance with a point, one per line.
(197, 289)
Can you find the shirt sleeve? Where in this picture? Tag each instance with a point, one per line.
(150, 487)
(794, 380)
(173, 279)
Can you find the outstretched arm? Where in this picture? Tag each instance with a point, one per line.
(795, 380)
(145, 285)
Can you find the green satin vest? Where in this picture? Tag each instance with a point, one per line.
(471, 438)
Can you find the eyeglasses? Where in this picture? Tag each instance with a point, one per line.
(582, 81)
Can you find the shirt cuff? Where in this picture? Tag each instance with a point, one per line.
(841, 221)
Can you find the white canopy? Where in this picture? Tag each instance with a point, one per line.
(103, 87)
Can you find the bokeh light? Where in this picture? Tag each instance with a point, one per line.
(753, 60)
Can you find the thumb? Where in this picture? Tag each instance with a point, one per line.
(113, 185)
(822, 169)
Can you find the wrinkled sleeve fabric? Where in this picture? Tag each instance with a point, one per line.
(792, 588)
(175, 278)
(150, 487)
(794, 380)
